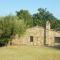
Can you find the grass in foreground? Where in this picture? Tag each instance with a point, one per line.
(29, 53)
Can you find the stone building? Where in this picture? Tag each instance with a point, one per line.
(38, 36)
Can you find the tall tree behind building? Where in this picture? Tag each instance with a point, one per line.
(26, 16)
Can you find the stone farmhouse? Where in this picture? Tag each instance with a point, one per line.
(38, 36)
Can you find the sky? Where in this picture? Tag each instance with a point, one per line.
(11, 6)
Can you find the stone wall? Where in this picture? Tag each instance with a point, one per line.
(50, 37)
(36, 32)
(38, 37)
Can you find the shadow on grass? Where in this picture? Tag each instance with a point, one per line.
(54, 47)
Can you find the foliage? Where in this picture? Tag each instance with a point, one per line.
(25, 16)
(10, 26)
(42, 16)
(19, 27)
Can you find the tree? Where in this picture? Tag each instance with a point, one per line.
(10, 26)
(25, 15)
(19, 27)
(6, 25)
(42, 16)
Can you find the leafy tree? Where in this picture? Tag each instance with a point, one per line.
(57, 25)
(25, 16)
(19, 27)
(10, 26)
(42, 16)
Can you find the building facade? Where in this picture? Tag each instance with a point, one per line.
(38, 36)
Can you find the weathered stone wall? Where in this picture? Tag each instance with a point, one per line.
(50, 37)
(38, 37)
(36, 32)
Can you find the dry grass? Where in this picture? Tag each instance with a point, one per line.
(29, 53)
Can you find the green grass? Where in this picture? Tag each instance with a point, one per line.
(29, 53)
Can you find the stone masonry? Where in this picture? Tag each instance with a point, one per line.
(35, 36)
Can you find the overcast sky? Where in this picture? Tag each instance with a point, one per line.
(11, 6)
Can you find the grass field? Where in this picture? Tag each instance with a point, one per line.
(29, 53)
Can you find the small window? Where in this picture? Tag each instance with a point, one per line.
(31, 38)
(57, 39)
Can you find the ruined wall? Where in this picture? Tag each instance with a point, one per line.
(38, 37)
(50, 37)
(36, 32)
